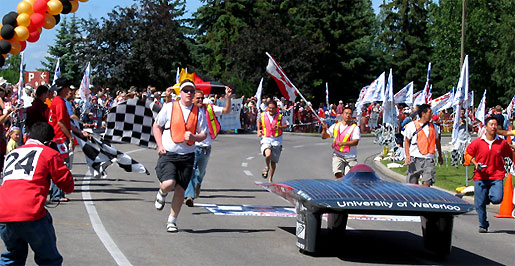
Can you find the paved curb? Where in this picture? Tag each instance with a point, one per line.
(401, 178)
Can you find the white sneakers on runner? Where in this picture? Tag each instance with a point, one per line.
(171, 227)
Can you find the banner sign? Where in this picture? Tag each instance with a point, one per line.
(36, 78)
(231, 120)
(288, 115)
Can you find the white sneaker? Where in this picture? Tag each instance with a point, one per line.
(171, 227)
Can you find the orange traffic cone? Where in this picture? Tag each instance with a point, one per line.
(506, 209)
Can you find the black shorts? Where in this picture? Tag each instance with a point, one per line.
(178, 167)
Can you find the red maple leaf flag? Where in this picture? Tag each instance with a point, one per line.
(285, 86)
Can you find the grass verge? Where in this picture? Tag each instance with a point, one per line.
(448, 178)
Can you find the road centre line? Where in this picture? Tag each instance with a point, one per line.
(142, 149)
(244, 164)
(247, 172)
(99, 228)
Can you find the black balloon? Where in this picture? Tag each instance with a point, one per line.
(2, 60)
(5, 47)
(10, 19)
(7, 32)
(67, 6)
(57, 19)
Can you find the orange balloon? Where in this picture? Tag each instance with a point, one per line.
(22, 33)
(24, 7)
(15, 47)
(55, 7)
(49, 22)
(83, 0)
(23, 19)
(75, 6)
(30, 1)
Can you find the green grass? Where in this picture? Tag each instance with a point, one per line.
(448, 178)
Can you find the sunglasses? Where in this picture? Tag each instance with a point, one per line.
(188, 90)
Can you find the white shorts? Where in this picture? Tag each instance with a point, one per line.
(276, 151)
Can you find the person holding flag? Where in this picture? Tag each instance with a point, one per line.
(270, 127)
(421, 139)
(346, 136)
(203, 148)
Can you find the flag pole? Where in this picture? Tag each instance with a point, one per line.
(297, 90)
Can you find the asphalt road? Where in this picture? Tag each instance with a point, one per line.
(113, 221)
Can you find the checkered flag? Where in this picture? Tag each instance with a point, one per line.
(95, 159)
(123, 160)
(131, 121)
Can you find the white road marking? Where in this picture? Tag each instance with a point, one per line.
(247, 172)
(142, 149)
(244, 164)
(249, 158)
(99, 228)
(299, 146)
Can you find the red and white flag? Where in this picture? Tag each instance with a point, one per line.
(285, 86)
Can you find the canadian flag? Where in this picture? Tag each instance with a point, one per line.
(285, 86)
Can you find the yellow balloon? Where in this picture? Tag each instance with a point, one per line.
(24, 7)
(55, 7)
(15, 47)
(23, 19)
(49, 22)
(75, 6)
(22, 33)
(30, 1)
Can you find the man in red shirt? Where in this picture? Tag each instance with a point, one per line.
(488, 154)
(23, 218)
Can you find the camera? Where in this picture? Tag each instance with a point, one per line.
(481, 166)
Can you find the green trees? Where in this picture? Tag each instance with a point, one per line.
(11, 69)
(489, 43)
(69, 47)
(340, 42)
(138, 45)
(403, 38)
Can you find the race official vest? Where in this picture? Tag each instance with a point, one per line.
(426, 144)
(343, 136)
(268, 128)
(212, 123)
(177, 125)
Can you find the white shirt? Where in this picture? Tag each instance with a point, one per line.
(413, 148)
(163, 120)
(274, 141)
(208, 141)
(353, 152)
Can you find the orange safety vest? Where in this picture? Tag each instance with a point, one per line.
(426, 144)
(212, 123)
(268, 127)
(177, 125)
(344, 136)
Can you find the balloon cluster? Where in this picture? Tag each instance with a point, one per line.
(24, 26)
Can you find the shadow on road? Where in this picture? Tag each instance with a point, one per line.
(387, 247)
(207, 231)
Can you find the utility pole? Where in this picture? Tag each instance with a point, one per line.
(462, 32)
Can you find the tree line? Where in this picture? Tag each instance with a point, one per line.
(340, 42)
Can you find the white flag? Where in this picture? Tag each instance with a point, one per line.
(510, 107)
(57, 71)
(405, 95)
(375, 91)
(439, 103)
(258, 95)
(359, 102)
(327, 94)
(84, 88)
(379, 85)
(480, 112)
(463, 84)
(178, 76)
(456, 124)
(419, 97)
(390, 112)
(427, 87)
